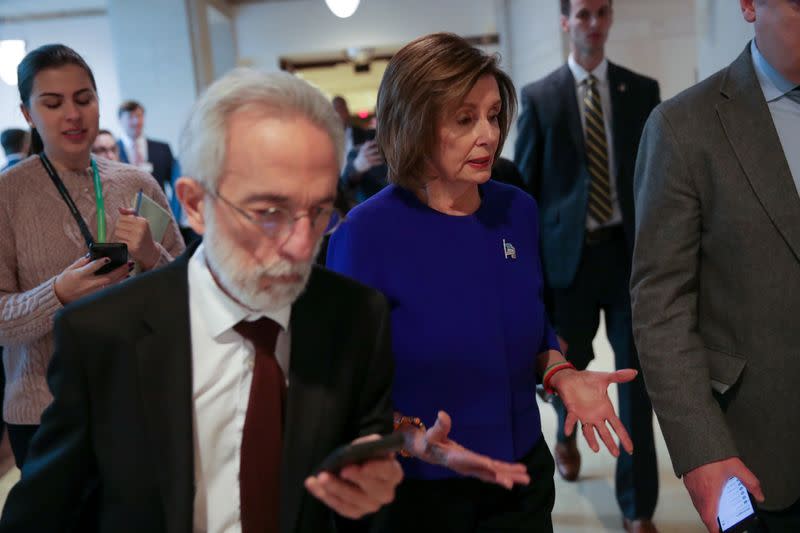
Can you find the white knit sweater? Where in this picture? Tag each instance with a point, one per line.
(39, 238)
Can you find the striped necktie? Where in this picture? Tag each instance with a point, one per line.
(596, 154)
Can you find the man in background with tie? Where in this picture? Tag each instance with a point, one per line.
(201, 397)
(578, 135)
(154, 157)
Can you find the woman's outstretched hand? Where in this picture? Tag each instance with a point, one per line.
(585, 395)
(433, 446)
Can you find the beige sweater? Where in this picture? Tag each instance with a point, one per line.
(39, 238)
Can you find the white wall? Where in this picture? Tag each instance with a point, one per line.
(153, 53)
(532, 35)
(722, 34)
(656, 38)
(269, 30)
(89, 36)
(13, 8)
(223, 41)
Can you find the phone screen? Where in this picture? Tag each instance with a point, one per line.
(734, 504)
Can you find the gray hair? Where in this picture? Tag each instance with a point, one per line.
(203, 140)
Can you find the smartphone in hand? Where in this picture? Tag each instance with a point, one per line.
(736, 513)
(116, 251)
(360, 453)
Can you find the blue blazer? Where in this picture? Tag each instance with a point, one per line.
(467, 315)
(551, 155)
(159, 155)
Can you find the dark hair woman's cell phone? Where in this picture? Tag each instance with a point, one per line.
(116, 251)
(351, 454)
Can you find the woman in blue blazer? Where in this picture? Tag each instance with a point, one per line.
(457, 256)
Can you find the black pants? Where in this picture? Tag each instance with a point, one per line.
(601, 283)
(466, 505)
(20, 438)
(787, 520)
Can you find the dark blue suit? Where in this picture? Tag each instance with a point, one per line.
(159, 155)
(585, 277)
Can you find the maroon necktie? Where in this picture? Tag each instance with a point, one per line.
(262, 437)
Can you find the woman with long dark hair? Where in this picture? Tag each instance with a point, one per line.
(53, 206)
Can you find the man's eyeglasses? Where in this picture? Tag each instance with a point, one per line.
(277, 223)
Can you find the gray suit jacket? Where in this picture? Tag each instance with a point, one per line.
(716, 281)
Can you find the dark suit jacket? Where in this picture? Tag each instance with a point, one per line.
(716, 281)
(359, 188)
(159, 155)
(551, 155)
(121, 418)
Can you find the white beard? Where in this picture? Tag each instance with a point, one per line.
(224, 259)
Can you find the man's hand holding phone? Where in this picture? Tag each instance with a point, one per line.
(358, 489)
(705, 484)
(80, 278)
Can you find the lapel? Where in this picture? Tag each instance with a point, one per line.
(311, 346)
(152, 150)
(617, 89)
(564, 85)
(165, 384)
(747, 123)
(123, 155)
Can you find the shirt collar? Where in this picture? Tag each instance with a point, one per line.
(129, 141)
(219, 311)
(580, 74)
(772, 83)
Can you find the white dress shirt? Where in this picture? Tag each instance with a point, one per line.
(130, 150)
(601, 73)
(222, 370)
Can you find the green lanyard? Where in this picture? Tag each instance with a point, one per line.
(101, 207)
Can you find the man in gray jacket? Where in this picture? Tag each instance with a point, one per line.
(716, 272)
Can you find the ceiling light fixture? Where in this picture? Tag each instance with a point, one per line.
(342, 8)
(11, 53)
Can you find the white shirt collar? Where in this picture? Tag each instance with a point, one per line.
(130, 142)
(219, 311)
(580, 74)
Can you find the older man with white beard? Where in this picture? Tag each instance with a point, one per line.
(200, 397)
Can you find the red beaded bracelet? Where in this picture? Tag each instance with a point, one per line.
(551, 371)
(402, 420)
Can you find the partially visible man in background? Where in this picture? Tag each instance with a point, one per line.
(146, 154)
(578, 135)
(15, 145)
(106, 146)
